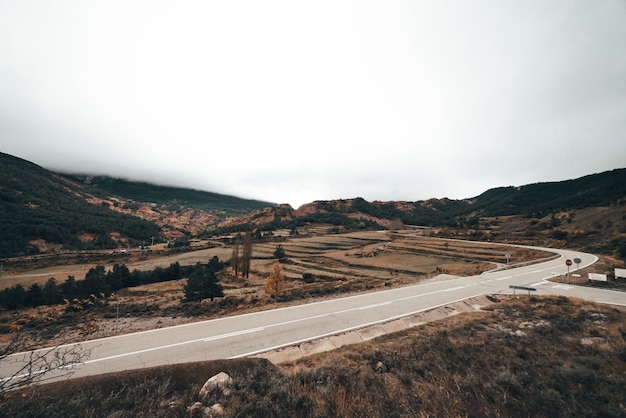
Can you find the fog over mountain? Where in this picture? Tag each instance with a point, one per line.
(291, 102)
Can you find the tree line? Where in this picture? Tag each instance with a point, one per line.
(98, 283)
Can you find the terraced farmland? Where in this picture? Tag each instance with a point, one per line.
(366, 260)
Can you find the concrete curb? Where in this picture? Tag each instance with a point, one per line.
(333, 342)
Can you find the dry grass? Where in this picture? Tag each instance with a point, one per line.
(30, 270)
(339, 264)
(543, 357)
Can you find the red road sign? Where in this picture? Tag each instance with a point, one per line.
(568, 262)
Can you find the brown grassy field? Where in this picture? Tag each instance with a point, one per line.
(338, 263)
(519, 357)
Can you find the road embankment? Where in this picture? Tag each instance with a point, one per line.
(292, 353)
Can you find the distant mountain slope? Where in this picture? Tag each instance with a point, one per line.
(42, 211)
(589, 191)
(594, 190)
(145, 192)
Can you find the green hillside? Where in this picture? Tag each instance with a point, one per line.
(36, 204)
(589, 191)
(145, 192)
(44, 211)
(594, 190)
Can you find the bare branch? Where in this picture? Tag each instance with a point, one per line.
(20, 368)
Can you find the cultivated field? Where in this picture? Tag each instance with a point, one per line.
(336, 264)
(518, 357)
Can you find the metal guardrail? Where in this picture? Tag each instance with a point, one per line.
(528, 289)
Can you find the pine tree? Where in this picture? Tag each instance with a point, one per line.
(202, 284)
(117, 277)
(34, 296)
(70, 289)
(95, 282)
(51, 293)
(280, 252)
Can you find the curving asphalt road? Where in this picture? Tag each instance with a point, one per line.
(249, 334)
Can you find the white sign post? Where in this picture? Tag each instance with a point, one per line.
(597, 277)
(621, 273)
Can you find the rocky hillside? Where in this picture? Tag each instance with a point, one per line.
(222, 205)
(587, 213)
(43, 211)
(535, 200)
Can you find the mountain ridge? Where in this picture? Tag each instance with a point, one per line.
(45, 211)
(535, 199)
(150, 192)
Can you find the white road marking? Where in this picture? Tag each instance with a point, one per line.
(234, 334)
(251, 330)
(329, 334)
(21, 376)
(374, 305)
(146, 350)
(259, 329)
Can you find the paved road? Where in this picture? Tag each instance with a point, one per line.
(249, 334)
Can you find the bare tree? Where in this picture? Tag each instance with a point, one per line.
(20, 367)
(234, 259)
(246, 255)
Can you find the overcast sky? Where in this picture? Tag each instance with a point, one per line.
(294, 101)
